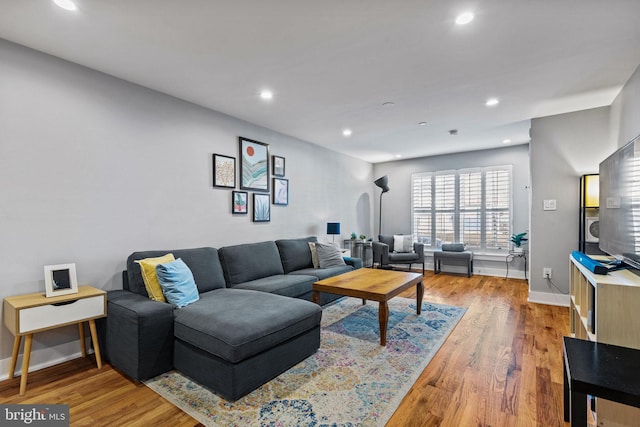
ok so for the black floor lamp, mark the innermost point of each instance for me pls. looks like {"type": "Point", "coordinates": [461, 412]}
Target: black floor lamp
{"type": "Point", "coordinates": [383, 184]}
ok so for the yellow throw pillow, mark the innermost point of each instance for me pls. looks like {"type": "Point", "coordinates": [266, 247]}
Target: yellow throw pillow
{"type": "Point", "coordinates": [148, 268]}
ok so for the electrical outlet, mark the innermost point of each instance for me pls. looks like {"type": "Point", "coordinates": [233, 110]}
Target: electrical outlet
{"type": "Point", "coordinates": [546, 273]}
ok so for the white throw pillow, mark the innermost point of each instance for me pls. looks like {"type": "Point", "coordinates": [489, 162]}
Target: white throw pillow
{"type": "Point", "coordinates": [402, 243]}
{"type": "Point", "coordinates": [314, 255]}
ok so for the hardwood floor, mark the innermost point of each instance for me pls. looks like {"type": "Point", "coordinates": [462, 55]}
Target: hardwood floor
{"type": "Point", "coordinates": [501, 366]}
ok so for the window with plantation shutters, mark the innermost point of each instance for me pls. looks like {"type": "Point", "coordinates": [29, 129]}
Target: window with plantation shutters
{"type": "Point", "coordinates": [470, 206]}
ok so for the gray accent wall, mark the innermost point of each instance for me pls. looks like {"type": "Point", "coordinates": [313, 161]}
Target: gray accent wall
{"type": "Point", "coordinates": [563, 147]}
{"type": "Point", "coordinates": [396, 204]}
{"type": "Point", "coordinates": [93, 168]}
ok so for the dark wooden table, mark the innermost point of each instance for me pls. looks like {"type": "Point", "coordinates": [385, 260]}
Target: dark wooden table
{"type": "Point", "coordinates": [602, 370]}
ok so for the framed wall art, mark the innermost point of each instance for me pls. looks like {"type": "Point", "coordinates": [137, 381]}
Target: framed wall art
{"type": "Point", "coordinates": [280, 191]}
{"type": "Point", "coordinates": [224, 171]}
{"type": "Point", "coordinates": [261, 208]}
{"type": "Point", "coordinates": [60, 280]}
{"type": "Point", "coordinates": [254, 165]}
{"type": "Point", "coordinates": [277, 166]}
{"type": "Point", "coordinates": [239, 202]}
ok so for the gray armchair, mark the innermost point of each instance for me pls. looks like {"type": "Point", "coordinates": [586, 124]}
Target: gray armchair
{"type": "Point", "coordinates": [384, 254]}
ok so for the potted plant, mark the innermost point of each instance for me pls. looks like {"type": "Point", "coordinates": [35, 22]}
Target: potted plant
{"type": "Point", "coordinates": [518, 240]}
{"type": "Point", "coordinates": [353, 236]}
{"type": "Point", "coordinates": [363, 237]}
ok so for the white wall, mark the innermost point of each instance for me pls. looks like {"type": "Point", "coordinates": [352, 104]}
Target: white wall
{"type": "Point", "coordinates": [93, 168]}
{"type": "Point", "coordinates": [625, 111]}
{"type": "Point", "coordinates": [562, 148]}
{"type": "Point", "coordinates": [396, 204]}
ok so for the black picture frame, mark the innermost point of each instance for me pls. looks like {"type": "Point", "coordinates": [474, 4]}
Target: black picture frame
{"type": "Point", "coordinates": [280, 191]}
{"type": "Point", "coordinates": [261, 207]}
{"type": "Point", "coordinates": [278, 166]}
{"type": "Point", "coordinates": [254, 165]}
{"type": "Point", "coordinates": [239, 202]}
{"type": "Point", "coordinates": [224, 171]}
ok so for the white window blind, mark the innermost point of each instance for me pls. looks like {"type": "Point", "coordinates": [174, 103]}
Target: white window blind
{"type": "Point", "coordinates": [470, 206]}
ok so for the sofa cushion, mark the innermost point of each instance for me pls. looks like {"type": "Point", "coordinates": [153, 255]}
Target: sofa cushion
{"type": "Point", "coordinates": [295, 253]}
{"type": "Point", "coordinates": [453, 247]}
{"type": "Point", "coordinates": [402, 243]}
{"type": "Point", "coordinates": [243, 263]}
{"type": "Point", "coordinates": [403, 257]}
{"type": "Point", "coordinates": [328, 255]}
{"type": "Point", "coordinates": [235, 324]}
{"type": "Point", "coordinates": [288, 285]}
{"type": "Point", "coordinates": [323, 273]}
{"type": "Point", "coordinates": [178, 285]}
{"type": "Point", "coordinates": [150, 278]}
{"type": "Point", "coordinates": [203, 263]}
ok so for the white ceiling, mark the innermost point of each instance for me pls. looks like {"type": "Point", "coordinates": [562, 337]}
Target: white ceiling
{"type": "Point", "coordinates": [332, 64]}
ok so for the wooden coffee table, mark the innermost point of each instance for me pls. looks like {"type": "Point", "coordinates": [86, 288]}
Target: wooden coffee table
{"type": "Point", "coordinates": [374, 285]}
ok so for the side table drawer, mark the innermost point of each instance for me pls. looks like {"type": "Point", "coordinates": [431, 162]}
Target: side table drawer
{"type": "Point", "coordinates": [49, 316]}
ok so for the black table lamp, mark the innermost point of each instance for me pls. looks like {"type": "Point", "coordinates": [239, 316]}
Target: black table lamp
{"type": "Point", "coordinates": [333, 228]}
{"type": "Point", "coordinates": [383, 183]}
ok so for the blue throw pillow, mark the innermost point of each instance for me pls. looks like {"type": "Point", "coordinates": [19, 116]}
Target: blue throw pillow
{"type": "Point", "coordinates": [177, 283]}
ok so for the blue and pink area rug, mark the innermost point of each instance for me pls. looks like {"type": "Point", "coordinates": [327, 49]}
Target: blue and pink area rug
{"type": "Point", "coordinates": [350, 381]}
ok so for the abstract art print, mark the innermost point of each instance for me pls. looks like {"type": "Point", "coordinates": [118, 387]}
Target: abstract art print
{"type": "Point", "coordinates": [280, 191]}
{"type": "Point", "coordinates": [239, 202]}
{"type": "Point", "coordinates": [224, 171]}
{"type": "Point", "coordinates": [277, 165]}
{"type": "Point", "coordinates": [254, 165]}
{"type": "Point", "coordinates": [261, 208]}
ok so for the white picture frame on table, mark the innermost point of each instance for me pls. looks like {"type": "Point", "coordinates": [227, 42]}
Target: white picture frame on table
{"type": "Point", "coordinates": [60, 279]}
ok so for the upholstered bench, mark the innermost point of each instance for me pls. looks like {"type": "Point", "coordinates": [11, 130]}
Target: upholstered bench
{"type": "Point", "coordinates": [235, 340]}
{"type": "Point", "coordinates": [453, 254]}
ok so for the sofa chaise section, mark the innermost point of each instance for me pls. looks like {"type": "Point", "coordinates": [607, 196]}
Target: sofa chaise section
{"type": "Point", "coordinates": [235, 340]}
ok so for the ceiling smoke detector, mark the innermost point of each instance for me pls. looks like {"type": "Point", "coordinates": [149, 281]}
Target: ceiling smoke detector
{"type": "Point", "coordinates": [453, 132]}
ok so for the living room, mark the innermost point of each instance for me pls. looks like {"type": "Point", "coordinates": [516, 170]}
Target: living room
{"type": "Point", "coordinates": [95, 167]}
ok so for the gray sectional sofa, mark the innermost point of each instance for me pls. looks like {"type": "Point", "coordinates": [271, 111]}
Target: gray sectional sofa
{"type": "Point", "coordinates": [253, 320]}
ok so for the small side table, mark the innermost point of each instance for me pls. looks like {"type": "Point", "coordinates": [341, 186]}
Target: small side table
{"type": "Point", "coordinates": [513, 255]}
{"type": "Point", "coordinates": [27, 314]}
{"type": "Point", "coordinates": [602, 370]}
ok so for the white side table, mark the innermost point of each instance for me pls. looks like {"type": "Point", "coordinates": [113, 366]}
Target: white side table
{"type": "Point", "coordinates": [31, 313]}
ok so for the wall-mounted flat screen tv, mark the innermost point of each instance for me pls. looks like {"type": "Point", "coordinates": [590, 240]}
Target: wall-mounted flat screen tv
{"type": "Point", "coordinates": [620, 204]}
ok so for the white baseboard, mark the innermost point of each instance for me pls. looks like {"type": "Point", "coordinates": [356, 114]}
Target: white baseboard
{"type": "Point", "coordinates": [43, 358]}
{"type": "Point", "coordinates": [549, 298]}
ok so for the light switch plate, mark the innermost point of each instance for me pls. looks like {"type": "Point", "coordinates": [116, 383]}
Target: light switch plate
{"type": "Point", "coordinates": [549, 205]}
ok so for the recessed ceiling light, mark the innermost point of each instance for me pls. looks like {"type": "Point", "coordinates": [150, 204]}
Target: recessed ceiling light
{"type": "Point", "coordinates": [492, 102]}
{"type": "Point", "coordinates": [346, 132]}
{"type": "Point", "coordinates": [266, 94]}
{"type": "Point", "coordinates": [66, 4]}
{"type": "Point", "coordinates": [422, 123]}
{"type": "Point", "coordinates": [398, 156]}
{"type": "Point", "coordinates": [464, 18]}
{"type": "Point", "coordinates": [506, 141]}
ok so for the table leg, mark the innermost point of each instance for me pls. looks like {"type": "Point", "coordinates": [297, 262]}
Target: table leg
{"type": "Point", "coordinates": [96, 345]}
{"type": "Point", "coordinates": [567, 395]}
{"type": "Point", "coordinates": [25, 364]}
{"type": "Point", "coordinates": [82, 343]}
{"type": "Point", "coordinates": [578, 403]}
{"type": "Point", "coordinates": [315, 297]}
{"type": "Point", "coordinates": [383, 318]}
{"type": "Point", "coordinates": [364, 301]}
{"type": "Point", "coordinates": [419, 295]}
{"type": "Point", "coordinates": [14, 355]}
